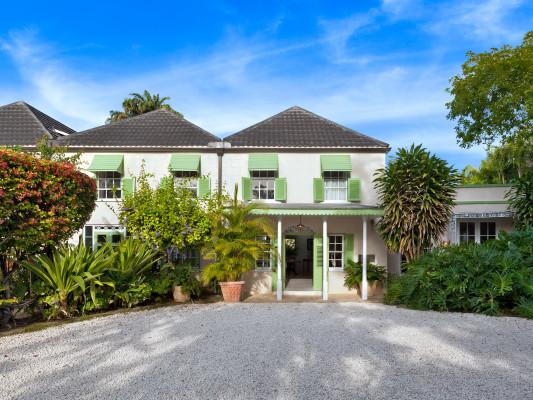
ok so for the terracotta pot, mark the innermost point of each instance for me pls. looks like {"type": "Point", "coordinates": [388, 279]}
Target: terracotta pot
{"type": "Point", "coordinates": [231, 291]}
{"type": "Point", "coordinates": [179, 296]}
{"type": "Point", "coordinates": [374, 288]}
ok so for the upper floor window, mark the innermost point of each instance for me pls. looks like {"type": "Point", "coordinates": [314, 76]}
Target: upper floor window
{"type": "Point", "coordinates": [477, 232]}
{"type": "Point", "coordinates": [109, 184]}
{"type": "Point", "coordinates": [336, 251]}
{"type": "Point", "coordinates": [263, 184]}
{"type": "Point", "coordinates": [188, 179]}
{"type": "Point", "coordinates": [336, 185]}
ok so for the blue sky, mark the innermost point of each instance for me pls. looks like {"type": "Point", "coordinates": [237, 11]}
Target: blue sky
{"type": "Point", "coordinates": [380, 67]}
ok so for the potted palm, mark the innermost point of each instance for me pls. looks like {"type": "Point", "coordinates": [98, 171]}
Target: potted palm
{"type": "Point", "coordinates": [375, 276]}
{"type": "Point", "coordinates": [234, 248]}
{"type": "Point", "coordinates": [185, 284]}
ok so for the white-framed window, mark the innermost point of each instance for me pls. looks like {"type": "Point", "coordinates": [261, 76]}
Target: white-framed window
{"type": "Point", "coordinates": [370, 259]}
{"type": "Point", "coordinates": [187, 179]}
{"type": "Point", "coordinates": [487, 231]}
{"type": "Point", "coordinates": [109, 185]}
{"type": "Point", "coordinates": [336, 251]}
{"type": "Point", "coordinates": [265, 261]}
{"type": "Point", "coordinates": [263, 184]}
{"type": "Point", "coordinates": [96, 236]}
{"type": "Point", "coordinates": [477, 231]}
{"type": "Point", "coordinates": [467, 232]}
{"type": "Point", "coordinates": [336, 185]}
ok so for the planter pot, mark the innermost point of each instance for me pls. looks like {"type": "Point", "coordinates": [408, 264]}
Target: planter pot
{"type": "Point", "coordinates": [231, 291]}
{"type": "Point", "coordinates": [179, 296]}
{"type": "Point", "coordinates": [375, 288]}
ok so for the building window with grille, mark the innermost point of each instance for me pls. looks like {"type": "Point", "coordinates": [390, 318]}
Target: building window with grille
{"type": "Point", "coordinates": [188, 180]}
{"type": "Point", "coordinates": [487, 231]}
{"type": "Point", "coordinates": [109, 185]}
{"type": "Point", "coordinates": [336, 251]}
{"type": "Point", "coordinates": [263, 184]}
{"type": "Point", "coordinates": [467, 232]}
{"type": "Point", "coordinates": [370, 259]}
{"type": "Point", "coordinates": [265, 261]}
{"type": "Point", "coordinates": [336, 185]}
{"type": "Point", "coordinates": [97, 236]}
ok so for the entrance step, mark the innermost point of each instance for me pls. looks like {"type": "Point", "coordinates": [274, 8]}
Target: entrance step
{"type": "Point", "coordinates": [302, 293]}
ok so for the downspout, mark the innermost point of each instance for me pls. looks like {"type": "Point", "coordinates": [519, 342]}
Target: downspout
{"type": "Point", "coordinates": [219, 147]}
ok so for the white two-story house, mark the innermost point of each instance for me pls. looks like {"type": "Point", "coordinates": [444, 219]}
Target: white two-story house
{"type": "Point", "coordinates": [312, 176]}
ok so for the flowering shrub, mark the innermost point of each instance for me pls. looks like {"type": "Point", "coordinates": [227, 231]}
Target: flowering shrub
{"type": "Point", "coordinates": [42, 202]}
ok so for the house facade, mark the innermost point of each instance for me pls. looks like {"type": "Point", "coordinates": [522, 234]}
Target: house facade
{"type": "Point", "coordinates": [312, 176]}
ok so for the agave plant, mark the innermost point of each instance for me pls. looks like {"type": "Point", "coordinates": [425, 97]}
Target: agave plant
{"type": "Point", "coordinates": [234, 247]}
{"type": "Point", "coordinates": [70, 272]}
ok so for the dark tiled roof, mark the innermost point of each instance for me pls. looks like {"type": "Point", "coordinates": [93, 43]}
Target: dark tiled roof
{"type": "Point", "coordinates": [296, 127]}
{"type": "Point", "coordinates": [159, 128]}
{"type": "Point", "coordinates": [22, 124]}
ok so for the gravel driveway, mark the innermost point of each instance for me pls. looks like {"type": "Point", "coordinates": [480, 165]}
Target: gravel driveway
{"type": "Point", "coordinates": [273, 351]}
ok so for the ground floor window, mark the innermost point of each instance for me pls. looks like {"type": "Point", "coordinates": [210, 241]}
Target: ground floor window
{"type": "Point", "coordinates": [477, 231]}
{"type": "Point", "coordinates": [188, 180]}
{"type": "Point", "coordinates": [96, 236]}
{"type": "Point", "coordinates": [265, 261]}
{"type": "Point", "coordinates": [189, 256]}
{"type": "Point", "coordinates": [370, 259]}
{"type": "Point", "coordinates": [336, 251]}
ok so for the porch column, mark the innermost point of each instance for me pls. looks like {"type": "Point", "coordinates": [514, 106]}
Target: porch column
{"type": "Point", "coordinates": [325, 259]}
{"type": "Point", "coordinates": [279, 287]}
{"type": "Point", "coordinates": [364, 283]}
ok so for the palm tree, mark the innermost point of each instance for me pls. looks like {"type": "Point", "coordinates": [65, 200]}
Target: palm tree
{"type": "Point", "coordinates": [139, 104]}
{"type": "Point", "coordinates": [416, 191]}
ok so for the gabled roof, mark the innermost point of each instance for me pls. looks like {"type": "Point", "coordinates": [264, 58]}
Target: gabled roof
{"type": "Point", "coordinates": [296, 127]}
{"type": "Point", "coordinates": [159, 128]}
{"type": "Point", "coordinates": [23, 125]}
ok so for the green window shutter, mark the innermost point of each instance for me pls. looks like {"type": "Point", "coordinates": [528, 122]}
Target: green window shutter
{"type": "Point", "coordinates": [246, 188]}
{"type": "Point", "coordinates": [204, 186]}
{"type": "Point", "coordinates": [318, 189]}
{"type": "Point", "coordinates": [317, 262]}
{"type": "Point", "coordinates": [336, 162]}
{"type": "Point", "coordinates": [128, 186]}
{"type": "Point", "coordinates": [280, 189]}
{"type": "Point", "coordinates": [184, 162]}
{"type": "Point", "coordinates": [348, 248]}
{"type": "Point", "coordinates": [107, 163]}
{"type": "Point", "coordinates": [354, 190]}
{"type": "Point", "coordinates": [263, 162]}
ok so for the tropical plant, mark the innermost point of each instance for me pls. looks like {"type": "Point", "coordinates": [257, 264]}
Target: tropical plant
{"type": "Point", "coordinates": [169, 216]}
{"type": "Point", "coordinates": [492, 97]}
{"type": "Point", "coordinates": [488, 278]}
{"type": "Point", "coordinates": [69, 274]}
{"type": "Point", "coordinates": [416, 191]}
{"type": "Point", "coordinates": [520, 198]}
{"type": "Point", "coordinates": [184, 276]}
{"type": "Point", "coordinates": [139, 104]}
{"type": "Point", "coordinates": [234, 247]}
{"type": "Point", "coordinates": [354, 274]}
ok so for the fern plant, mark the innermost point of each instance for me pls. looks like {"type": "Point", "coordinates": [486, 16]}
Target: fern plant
{"type": "Point", "coordinates": [354, 274]}
{"type": "Point", "coordinates": [234, 247]}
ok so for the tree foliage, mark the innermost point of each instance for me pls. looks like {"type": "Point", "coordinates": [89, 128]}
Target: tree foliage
{"type": "Point", "coordinates": [234, 247]}
{"type": "Point", "coordinates": [493, 96]}
{"type": "Point", "coordinates": [521, 201]}
{"type": "Point", "coordinates": [139, 104]}
{"type": "Point", "coordinates": [42, 202]}
{"type": "Point", "coordinates": [417, 192]}
{"type": "Point", "coordinates": [168, 216]}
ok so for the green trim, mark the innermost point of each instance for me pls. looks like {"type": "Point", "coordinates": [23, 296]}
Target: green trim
{"type": "Point", "coordinates": [354, 189]}
{"type": "Point", "coordinates": [348, 248]}
{"type": "Point", "coordinates": [280, 189]}
{"type": "Point", "coordinates": [184, 162]}
{"type": "Point", "coordinates": [482, 202]}
{"type": "Point", "coordinates": [128, 186]}
{"type": "Point", "coordinates": [107, 163]}
{"type": "Point", "coordinates": [484, 185]}
{"type": "Point", "coordinates": [336, 162]}
{"type": "Point", "coordinates": [318, 256]}
{"type": "Point", "coordinates": [246, 188]}
{"type": "Point", "coordinates": [204, 186]}
{"type": "Point", "coordinates": [263, 162]}
{"type": "Point", "coordinates": [318, 190]}
{"type": "Point", "coordinates": [376, 212]}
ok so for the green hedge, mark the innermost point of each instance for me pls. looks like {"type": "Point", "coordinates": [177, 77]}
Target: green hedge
{"type": "Point", "coordinates": [488, 278]}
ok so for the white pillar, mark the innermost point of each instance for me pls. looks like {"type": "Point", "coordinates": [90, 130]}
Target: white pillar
{"type": "Point", "coordinates": [279, 285]}
{"type": "Point", "coordinates": [364, 283]}
{"type": "Point", "coordinates": [325, 259]}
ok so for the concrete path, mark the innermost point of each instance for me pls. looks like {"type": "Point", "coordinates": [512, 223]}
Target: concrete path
{"type": "Point", "coordinates": [273, 351]}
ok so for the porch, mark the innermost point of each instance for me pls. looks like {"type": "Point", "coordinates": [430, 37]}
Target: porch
{"type": "Point", "coordinates": [312, 244]}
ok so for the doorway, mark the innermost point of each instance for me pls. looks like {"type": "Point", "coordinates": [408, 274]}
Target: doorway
{"type": "Point", "coordinates": [299, 262]}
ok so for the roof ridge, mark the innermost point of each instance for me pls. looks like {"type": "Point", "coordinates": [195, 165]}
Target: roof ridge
{"type": "Point", "coordinates": [27, 107]}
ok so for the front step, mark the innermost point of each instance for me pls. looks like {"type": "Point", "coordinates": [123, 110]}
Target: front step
{"type": "Point", "coordinates": [302, 293]}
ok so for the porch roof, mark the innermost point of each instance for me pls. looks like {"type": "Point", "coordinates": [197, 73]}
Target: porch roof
{"type": "Point", "coordinates": [318, 209]}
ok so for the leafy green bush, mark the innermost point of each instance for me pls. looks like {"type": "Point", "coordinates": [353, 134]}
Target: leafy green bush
{"type": "Point", "coordinates": [486, 278]}
{"type": "Point", "coordinates": [354, 274]}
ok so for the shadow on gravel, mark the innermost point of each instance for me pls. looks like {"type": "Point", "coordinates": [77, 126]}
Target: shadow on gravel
{"type": "Point", "coordinates": [272, 351]}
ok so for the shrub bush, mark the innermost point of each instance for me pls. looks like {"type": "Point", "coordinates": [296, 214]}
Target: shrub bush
{"type": "Point", "coordinates": [486, 278]}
